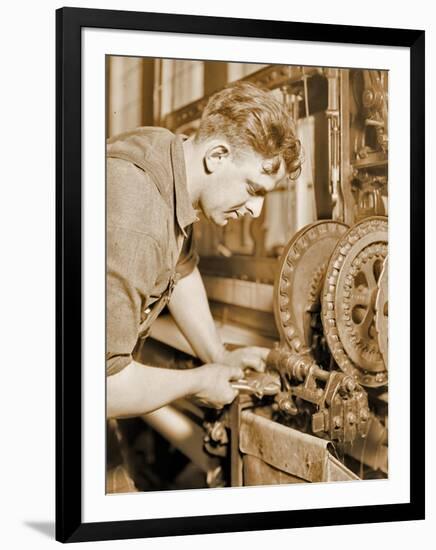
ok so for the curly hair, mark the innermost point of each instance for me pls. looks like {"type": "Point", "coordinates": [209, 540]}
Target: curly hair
{"type": "Point", "coordinates": [248, 116]}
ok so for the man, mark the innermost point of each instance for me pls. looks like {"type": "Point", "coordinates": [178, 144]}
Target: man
{"type": "Point", "coordinates": [245, 145]}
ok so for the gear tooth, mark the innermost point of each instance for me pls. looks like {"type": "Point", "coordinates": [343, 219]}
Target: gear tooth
{"type": "Point", "coordinates": [284, 287]}
{"type": "Point", "coordinates": [286, 316]}
{"type": "Point", "coordinates": [290, 332]}
{"type": "Point", "coordinates": [284, 301]}
{"type": "Point", "coordinates": [296, 344]}
{"type": "Point", "coordinates": [347, 364]}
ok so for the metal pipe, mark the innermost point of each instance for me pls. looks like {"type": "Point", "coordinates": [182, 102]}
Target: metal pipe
{"type": "Point", "coordinates": [182, 433]}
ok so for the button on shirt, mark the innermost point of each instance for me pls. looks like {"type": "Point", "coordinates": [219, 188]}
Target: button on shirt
{"type": "Point", "coordinates": [149, 234]}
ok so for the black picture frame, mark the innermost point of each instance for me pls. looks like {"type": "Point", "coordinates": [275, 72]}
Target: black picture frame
{"type": "Point", "coordinates": [69, 22]}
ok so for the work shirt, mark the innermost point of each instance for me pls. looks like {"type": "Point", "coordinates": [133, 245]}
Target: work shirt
{"type": "Point", "coordinates": [149, 234]}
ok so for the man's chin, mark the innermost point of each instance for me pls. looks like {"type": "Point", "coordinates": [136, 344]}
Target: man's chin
{"type": "Point", "coordinates": [218, 220]}
{"type": "Point", "coordinates": [216, 217]}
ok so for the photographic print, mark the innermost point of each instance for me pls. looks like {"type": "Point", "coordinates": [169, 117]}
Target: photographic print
{"type": "Point", "coordinates": [247, 274]}
{"type": "Point", "coordinates": [240, 229]}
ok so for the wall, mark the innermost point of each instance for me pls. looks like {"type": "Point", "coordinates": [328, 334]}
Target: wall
{"type": "Point", "coordinates": [27, 275]}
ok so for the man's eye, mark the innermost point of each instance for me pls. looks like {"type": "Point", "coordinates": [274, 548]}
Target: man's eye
{"type": "Point", "coordinates": [251, 189]}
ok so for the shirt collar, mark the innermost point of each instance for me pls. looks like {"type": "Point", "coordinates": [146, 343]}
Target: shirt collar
{"type": "Point", "coordinates": [185, 213]}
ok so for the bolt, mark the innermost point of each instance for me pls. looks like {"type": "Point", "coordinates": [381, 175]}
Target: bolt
{"type": "Point", "coordinates": [337, 422]}
{"type": "Point", "coordinates": [219, 432]}
{"type": "Point", "coordinates": [364, 415]}
{"type": "Point", "coordinates": [285, 406]}
{"type": "Point", "coordinates": [288, 407]}
{"type": "Point", "coordinates": [351, 418]}
{"type": "Point", "coordinates": [349, 384]}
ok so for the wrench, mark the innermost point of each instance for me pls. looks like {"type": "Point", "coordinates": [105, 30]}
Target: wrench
{"type": "Point", "coordinates": [264, 384]}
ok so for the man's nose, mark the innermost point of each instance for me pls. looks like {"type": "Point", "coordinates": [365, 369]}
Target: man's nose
{"type": "Point", "coordinates": [254, 206]}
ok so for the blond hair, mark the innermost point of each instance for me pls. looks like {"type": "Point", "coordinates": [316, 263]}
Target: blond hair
{"type": "Point", "coordinates": [248, 116]}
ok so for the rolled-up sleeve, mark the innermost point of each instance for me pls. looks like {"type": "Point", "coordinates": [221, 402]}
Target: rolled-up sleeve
{"type": "Point", "coordinates": [133, 262]}
{"type": "Point", "coordinates": [134, 258]}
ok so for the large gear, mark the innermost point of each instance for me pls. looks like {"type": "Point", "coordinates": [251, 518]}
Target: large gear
{"type": "Point", "coordinates": [381, 307]}
{"type": "Point", "coordinates": [299, 284]}
{"type": "Point", "coordinates": [348, 302]}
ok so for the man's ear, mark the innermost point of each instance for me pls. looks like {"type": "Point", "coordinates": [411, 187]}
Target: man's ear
{"type": "Point", "coordinates": [214, 156]}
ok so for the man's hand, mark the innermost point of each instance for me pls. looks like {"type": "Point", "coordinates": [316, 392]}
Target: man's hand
{"type": "Point", "coordinates": [213, 387]}
{"type": "Point", "coordinates": [253, 357]}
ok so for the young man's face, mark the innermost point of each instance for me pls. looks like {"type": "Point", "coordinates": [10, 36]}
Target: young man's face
{"type": "Point", "coordinates": [235, 187]}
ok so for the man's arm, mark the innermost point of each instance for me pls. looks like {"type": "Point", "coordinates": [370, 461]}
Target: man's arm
{"type": "Point", "coordinates": [140, 389]}
{"type": "Point", "coordinates": [190, 309]}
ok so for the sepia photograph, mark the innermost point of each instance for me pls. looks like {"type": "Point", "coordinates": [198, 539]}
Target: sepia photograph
{"type": "Point", "coordinates": [246, 274]}
{"type": "Point", "coordinates": [221, 232]}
